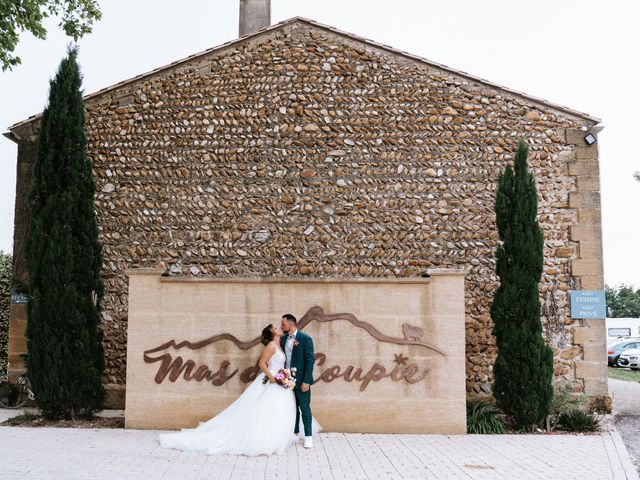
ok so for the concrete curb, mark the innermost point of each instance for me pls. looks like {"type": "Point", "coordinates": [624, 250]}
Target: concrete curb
{"type": "Point", "coordinates": [626, 464]}
{"type": "Point", "coordinates": [620, 459]}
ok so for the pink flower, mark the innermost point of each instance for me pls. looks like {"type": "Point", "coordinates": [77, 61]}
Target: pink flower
{"type": "Point", "coordinates": [285, 378]}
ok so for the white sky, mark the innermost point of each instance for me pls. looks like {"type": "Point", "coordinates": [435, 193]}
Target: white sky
{"type": "Point", "coordinates": [579, 53]}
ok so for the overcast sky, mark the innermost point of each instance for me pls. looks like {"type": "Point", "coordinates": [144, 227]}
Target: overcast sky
{"type": "Point", "coordinates": [579, 53]}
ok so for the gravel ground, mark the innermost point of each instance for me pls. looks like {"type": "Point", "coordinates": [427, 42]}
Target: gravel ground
{"type": "Point", "coordinates": [626, 408]}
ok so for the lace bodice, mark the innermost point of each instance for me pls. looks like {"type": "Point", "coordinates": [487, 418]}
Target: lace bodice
{"type": "Point", "coordinates": [276, 362]}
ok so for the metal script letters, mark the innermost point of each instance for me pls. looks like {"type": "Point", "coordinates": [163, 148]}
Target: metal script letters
{"type": "Point", "coordinates": [174, 367]}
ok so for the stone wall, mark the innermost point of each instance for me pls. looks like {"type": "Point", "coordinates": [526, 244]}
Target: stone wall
{"type": "Point", "coordinates": [17, 346]}
{"type": "Point", "coordinates": [5, 298]}
{"type": "Point", "coordinates": [303, 152]}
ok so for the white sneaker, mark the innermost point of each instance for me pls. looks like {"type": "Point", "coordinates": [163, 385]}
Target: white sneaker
{"type": "Point", "coordinates": [294, 439]}
{"type": "Point", "coordinates": [308, 442]}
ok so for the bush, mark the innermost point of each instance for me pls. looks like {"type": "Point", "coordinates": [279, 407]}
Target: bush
{"type": "Point", "coordinates": [577, 420]}
{"type": "Point", "coordinates": [484, 418]}
{"type": "Point", "coordinates": [564, 401]}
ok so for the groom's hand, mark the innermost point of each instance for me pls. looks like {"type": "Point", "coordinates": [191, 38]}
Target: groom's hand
{"type": "Point", "coordinates": [304, 387]}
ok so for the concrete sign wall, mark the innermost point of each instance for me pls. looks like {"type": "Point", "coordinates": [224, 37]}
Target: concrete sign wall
{"type": "Point", "coordinates": [389, 352]}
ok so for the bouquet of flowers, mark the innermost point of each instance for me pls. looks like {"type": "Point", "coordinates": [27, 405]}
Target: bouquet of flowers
{"type": "Point", "coordinates": [285, 377]}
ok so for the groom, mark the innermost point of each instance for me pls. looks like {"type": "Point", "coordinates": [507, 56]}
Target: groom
{"type": "Point", "coordinates": [298, 348]}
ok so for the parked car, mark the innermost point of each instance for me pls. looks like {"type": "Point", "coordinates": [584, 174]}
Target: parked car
{"type": "Point", "coordinates": [614, 351]}
{"type": "Point", "coordinates": [630, 358]}
{"type": "Point", "coordinates": [621, 339]}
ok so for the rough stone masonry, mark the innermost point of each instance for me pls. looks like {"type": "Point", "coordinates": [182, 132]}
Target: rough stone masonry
{"type": "Point", "coordinates": [301, 150]}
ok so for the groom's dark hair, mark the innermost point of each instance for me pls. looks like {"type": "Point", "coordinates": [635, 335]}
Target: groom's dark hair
{"type": "Point", "coordinates": [290, 318]}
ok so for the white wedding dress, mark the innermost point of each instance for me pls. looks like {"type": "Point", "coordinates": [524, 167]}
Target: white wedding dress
{"type": "Point", "coordinates": [258, 422]}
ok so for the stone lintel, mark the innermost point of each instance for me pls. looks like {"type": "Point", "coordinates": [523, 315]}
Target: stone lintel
{"type": "Point", "coordinates": [292, 279]}
{"type": "Point", "coordinates": [447, 271]}
{"type": "Point", "coordinates": [144, 271]}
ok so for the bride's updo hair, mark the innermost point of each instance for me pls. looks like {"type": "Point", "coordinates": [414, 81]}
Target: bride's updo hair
{"type": "Point", "coordinates": [267, 334]}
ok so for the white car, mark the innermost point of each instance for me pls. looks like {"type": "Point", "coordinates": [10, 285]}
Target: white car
{"type": "Point", "coordinates": [630, 358]}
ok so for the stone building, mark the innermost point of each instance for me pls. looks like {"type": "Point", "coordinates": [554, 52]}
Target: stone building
{"type": "Point", "coordinates": [302, 150]}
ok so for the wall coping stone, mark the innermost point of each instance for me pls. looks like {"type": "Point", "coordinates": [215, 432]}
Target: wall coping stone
{"type": "Point", "coordinates": [440, 272]}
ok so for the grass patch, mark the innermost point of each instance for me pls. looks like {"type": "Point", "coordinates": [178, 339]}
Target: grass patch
{"type": "Point", "coordinates": [21, 419]}
{"type": "Point", "coordinates": [578, 421]}
{"type": "Point", "coordinates": [484, 418]}
{"type": "Point", "coordinates": [624, 374]}
{"type": "Point", "coordinates": [32, 419]}
{"type": "Point", "coordinates": [564, 401]}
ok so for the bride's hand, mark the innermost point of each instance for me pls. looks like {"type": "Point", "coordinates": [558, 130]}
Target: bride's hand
{"type": "Point", "coordinates": [272, 379]}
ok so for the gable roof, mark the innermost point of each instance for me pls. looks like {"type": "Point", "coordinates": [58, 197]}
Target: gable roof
{"type": "Point", "coordinates": [351, 36]}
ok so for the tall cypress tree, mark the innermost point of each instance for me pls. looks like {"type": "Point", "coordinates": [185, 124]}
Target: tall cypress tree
{"type": "Point", "coordinates": [64, 258]}
{"type": "Point", "coordinates": [524, 365]}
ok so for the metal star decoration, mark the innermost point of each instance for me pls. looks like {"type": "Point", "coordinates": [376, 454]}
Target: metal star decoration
{"type": "Point", "coordinates": [400, 359]}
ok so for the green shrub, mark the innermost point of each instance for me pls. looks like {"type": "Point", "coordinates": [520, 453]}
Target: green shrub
{"type": "Point", "coordinates": [577, 420]}
{"type": "Point", "coordinates": [564, 400]}
{"type": "Point", "coordinates": [484, 418]}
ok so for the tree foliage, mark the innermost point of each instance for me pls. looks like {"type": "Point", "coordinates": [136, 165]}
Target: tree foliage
{"type": "Point", "coordinates": [64, 259]}
{"type": "Point", "coordinates": [524, 365]}
{"type": "Point", "coordinates": [16, 16]}
{"type": "Point", "coordinates": [623, 302]}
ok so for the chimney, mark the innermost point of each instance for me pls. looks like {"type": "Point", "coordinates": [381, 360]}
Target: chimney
{"type": "Point", "coordinates": [254, 15]}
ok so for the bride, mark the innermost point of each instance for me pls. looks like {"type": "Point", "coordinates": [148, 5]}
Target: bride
{"type": "Point", "coordinates": [260, 421]}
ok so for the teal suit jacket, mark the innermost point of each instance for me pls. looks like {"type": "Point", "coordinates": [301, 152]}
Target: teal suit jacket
{"type": "Point", "coordinates": [302, 357]}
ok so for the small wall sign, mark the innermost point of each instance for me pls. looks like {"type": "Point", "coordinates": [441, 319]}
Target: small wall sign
{"type": "Point", "coordinates": [19, 297]}
{"type": "Point", "coordinates": [588, 304]}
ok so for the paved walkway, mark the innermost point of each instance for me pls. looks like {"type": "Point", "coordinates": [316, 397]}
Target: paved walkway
{"type": "Point", "coordinates": [95, 454]}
